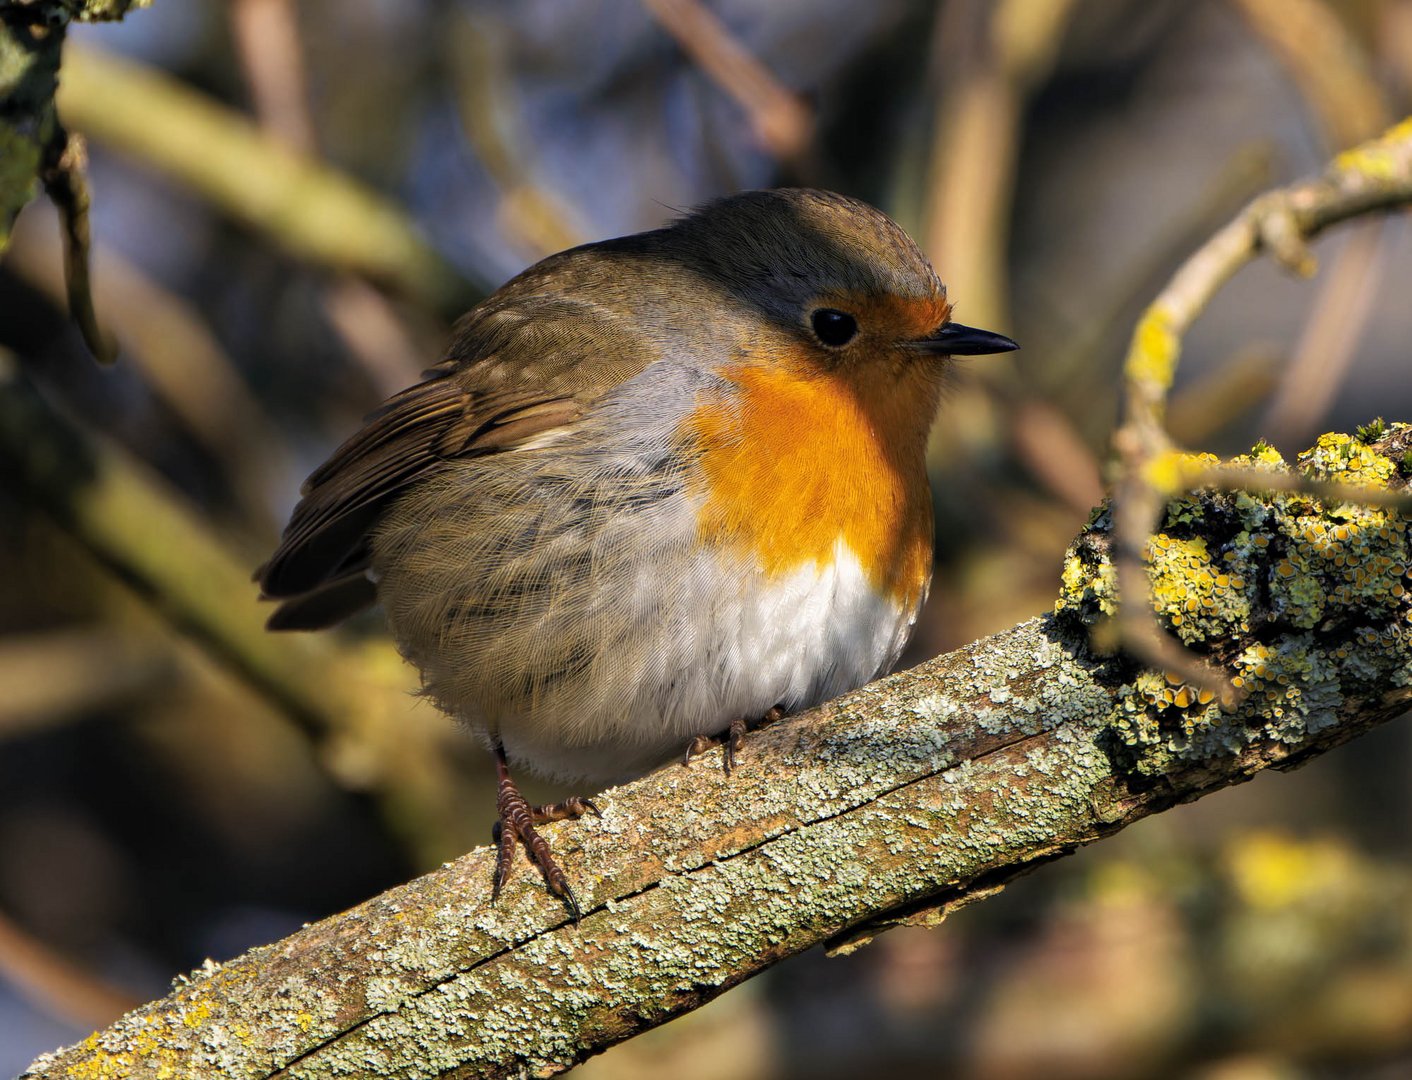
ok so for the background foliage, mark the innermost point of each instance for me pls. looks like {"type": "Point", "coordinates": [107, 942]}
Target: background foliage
{"type": "Point", "coordinates": [292, 200]}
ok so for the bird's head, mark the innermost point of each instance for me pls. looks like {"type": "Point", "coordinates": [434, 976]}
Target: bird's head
{"type": "Point", "coordinates": [834, 276]}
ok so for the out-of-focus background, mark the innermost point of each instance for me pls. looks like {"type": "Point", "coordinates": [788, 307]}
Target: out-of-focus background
{"type": "Point", "coordinates": [291, 201]}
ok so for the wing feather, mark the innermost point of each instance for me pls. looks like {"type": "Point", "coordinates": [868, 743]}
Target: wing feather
{"type": "Point", "coordinates": [514, 374]}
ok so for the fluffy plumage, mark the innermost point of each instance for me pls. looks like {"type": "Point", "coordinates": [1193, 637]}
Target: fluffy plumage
{"type": "Point", "coordinates": [542, 516]}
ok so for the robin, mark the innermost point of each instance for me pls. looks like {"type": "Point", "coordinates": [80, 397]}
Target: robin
{"type": "Point", "coordinates": [659, 487]}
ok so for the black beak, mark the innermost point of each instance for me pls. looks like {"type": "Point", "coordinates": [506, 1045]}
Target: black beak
{"type": "Point", "coordinates": [953, 339]}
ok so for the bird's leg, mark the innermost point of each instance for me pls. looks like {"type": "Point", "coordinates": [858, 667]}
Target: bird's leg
{"type": "Point", "coordinates": [517, 820]}
{"type": "Point", "coordinates": [730, 740]}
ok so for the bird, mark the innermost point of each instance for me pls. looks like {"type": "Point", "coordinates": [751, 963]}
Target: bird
{"type": "Point", "coordinates": [658, 489]}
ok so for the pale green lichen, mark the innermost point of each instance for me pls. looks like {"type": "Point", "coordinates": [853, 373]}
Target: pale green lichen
{"type": "Point", "coordinates": [1304, 603]}
{"type": "Point", "coordinates": [880, 812]}
{"type": "Point", "coordinates": [713, 924]}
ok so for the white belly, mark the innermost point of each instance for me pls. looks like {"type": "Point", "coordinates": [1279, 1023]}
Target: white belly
{"type": "Point", "coordinates": [738, 646]}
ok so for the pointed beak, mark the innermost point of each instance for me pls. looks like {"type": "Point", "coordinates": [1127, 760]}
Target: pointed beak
{"type": "Point", "coordinates": [954, 339]}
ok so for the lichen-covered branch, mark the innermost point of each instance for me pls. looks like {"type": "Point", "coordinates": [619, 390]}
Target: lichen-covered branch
{"type": "Point", "coordinates": [29, 66]}
{"type": "Point", "coordinates": [31, 39]}
{"type": "Point", "coordinates": [34, 145]}
{"type": "Point", "coordinates": [900, 802]}
{"type": "Point", "coordinates": [1376, 176]}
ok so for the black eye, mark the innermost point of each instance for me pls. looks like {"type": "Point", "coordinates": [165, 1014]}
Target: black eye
{"type": "Point", "coordinates": [833, 327]}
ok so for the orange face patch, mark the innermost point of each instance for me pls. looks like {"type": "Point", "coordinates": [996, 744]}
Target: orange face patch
{"type": "Point", "coordinates": [803, 457]}
{"type": "Point", "coordinates": [899, 318]}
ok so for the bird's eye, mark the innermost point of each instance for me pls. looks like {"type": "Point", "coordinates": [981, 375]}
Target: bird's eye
{"type": "Point", "coordinates": [833, 327]}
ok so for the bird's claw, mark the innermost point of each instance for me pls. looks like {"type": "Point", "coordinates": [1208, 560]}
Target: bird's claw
{"type": "Point", "coordinates": [516, 825]}
{"type": "Point", "coordinates": [729, 740]}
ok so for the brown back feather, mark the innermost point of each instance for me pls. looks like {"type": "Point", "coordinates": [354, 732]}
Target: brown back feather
{"type": "Point", "coordinates": [521, 366]}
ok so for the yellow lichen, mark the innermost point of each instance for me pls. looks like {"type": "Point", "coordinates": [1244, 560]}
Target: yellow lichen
{"type": "Point", "coordinates": [1327, 586]}
{"type": "Point", "coordinates": [1263, 455]}
{"type": "Point", "coordinates": [1345, 458]}
{"type": "Point", "coordinates": [1196, 594]}
{"type": "Point", "coordinates": [197, 1014]}
{"type": "Point", "coordinates": [1384, 158]}
{"type": "Point", "coordinates": [1152, 357]}
{"type": "Point", "coordinates": [1174, 472]}
{"type": "Point", "coordinates": [1342, 557]}
{"type": "Point", "coordinates": [1087, 581]}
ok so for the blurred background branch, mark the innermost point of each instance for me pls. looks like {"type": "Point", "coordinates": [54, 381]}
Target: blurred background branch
{"type": "Point", "coordinates": [1334, 74]}
{"type": "Point", "coordinates": [354, 702]}
{"type": "Point", "coordinates": [34, 147]}
{"type": "Point", "coordinates": [307, 208]}
{"type": "Point", "coordinates": [780, 120]}
{"type": "Point", "coordinates": [986, 58]}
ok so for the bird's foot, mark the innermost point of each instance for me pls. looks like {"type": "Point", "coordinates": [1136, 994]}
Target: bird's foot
{"type": "Point", "coordinates": [729, 740]}
{"type": "Point", "coordinates": [516, 825]}
{"type": "Point", "coordinates": [568, 810]}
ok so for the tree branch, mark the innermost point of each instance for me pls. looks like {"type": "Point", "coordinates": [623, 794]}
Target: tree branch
{"type": "Point", "coordinates": [1376, 176]}
{"type": "Point", "coordinates": [900, 802]}
{"type": "Point", "coordinates": [34, 145]}
{"type": "Point", "coordinates": [307, 207]}
{"type": "Point", "coordinates": [352, 701]}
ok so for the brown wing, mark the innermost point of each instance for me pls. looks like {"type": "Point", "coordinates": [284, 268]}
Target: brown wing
{"type": "Point", "coordinates": [516, 371]}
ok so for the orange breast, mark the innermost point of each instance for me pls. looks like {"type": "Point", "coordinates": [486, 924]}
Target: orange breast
{"type": "Point", "coordinates": [801, 458]}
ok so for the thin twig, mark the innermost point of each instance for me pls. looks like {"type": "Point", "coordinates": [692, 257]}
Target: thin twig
{"type": "Point", "coordinates": [1334, 75]}
{"type": "Point", "coordinates": [781, 121]}
{"type": "Point", "coordinates": [266, 34]}
{"type": "Point", "coordinates": [1213, 400]}
{"type": "Point", "coordinates": [271, 55]}
{"type": "Point", "coordinates": [65, 183]}
{"type": "Point", "coordinates": [987, 59]}
{"type": "Point", "coordinates": [1330, 67]}
{"type": "Point", "coordinates": [1104, 321]}
{"type": "Point", "coordinates": [534, 217]}
{"type": "Point", "coordinates": [1330, 338]}
{"type": "Point", "coordinates": [1046, 441]}
{"type": "Point", "coordinates": [1239, 478]}
{"type": "Point", "coordinates": [167, 342]}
